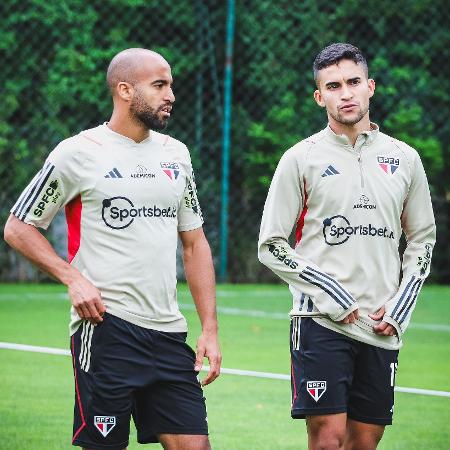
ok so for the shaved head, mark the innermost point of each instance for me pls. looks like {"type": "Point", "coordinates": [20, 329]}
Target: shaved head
{"type": "Point", "coordinates": [130, 66]}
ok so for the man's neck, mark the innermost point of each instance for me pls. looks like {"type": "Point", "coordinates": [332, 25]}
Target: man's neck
{"type": "Point", "coordinates": [351, 131]}
{"type": "Point", "coordinates": [126, 127]}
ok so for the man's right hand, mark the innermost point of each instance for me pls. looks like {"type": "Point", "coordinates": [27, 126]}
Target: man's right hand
{"type": "Point", "coordinates": [87, 300]}
{"type": "Point", "coordinates": [351, 317]}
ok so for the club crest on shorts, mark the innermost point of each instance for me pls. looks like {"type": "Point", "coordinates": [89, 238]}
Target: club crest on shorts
{"type": "Point", "coordinates": [104, 424]}
{"type": "Point", "coordinates": [316, 389]}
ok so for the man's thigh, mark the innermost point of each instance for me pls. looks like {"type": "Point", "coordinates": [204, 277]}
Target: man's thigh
{"type": "Point", "coordinates": [174, 405]}
{"type": "Point", "coordinates": [322, 369]}
{"type": "Point", "coordinates": [362, 435]}
{"type": "Point", "coordinates": [372, 394]}
{"type": "Point", "coordinates": [184, 442]}
{"type": "Point", "coordinates": [103, 397]}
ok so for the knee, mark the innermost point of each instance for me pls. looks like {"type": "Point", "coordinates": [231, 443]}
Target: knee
{"type": "Point", "coordinates": [361, 436]}
{"type": "Point", "coordinates": [365, 442]}
{"type": "Point", "coordinates": [325, 435]}
{"type": "Point", "coordinates": [328, 442]}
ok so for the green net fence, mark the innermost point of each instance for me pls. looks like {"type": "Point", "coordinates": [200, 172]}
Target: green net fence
{"type": "Point", "coordinates": [55, 53]}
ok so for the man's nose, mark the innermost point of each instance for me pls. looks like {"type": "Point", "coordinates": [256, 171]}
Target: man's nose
{"type": "Point", "coordinates": [346, 93]}
{"type": "Point", "coordinates": [170, 95]}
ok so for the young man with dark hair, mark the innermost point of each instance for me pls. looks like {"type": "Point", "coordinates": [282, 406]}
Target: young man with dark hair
{"type": "Point", "coordinates": [350, 191]}
{"type": "Point", "coordinates": [128, 193]}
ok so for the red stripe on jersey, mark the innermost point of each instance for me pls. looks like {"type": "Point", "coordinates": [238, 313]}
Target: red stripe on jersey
{"type": "Point", "coordinates": [301, 220]}
{"type": "Point", "coordinates": [73, 218]}
{"type": "Point", "coordinates": [80, 406]}
{"type": "Point", "coordinates": [90, 139]}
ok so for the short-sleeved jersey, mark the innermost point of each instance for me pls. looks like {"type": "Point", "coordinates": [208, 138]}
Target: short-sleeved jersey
{"type": "Point", "coordinates": [349, 206]}
{"type": "Point", "coordinates": [125, 203]}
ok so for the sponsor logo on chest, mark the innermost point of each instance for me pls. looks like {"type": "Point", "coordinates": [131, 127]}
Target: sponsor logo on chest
{"type": "Point", "coordinates": [364, 203]}
{"type": "Point", "coordinates": [120, 212]}
{"type": "Point", "coordinates": [142, 172]}
{"type": "Point", "coordinates": [338, 230]}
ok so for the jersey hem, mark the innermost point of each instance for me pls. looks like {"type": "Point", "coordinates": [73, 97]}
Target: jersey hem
{"type": "Point", "coordinates": [190, 227]}
{"type": "Point", "coordinates": [361, 335]}
{"type": "Point", "coordinates": [178, 325]}
{"type": "Point", "coordinates": [34, 223]}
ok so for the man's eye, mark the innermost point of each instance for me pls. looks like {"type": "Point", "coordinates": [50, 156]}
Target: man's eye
{"type": "Point", "coordinates": [354, 82]}
{"type": "Point", "coordinates": [333, 86]}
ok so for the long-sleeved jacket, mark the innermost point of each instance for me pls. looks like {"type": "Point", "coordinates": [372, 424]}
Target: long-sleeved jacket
{"type": "Point", "coordinates": [349, 205]}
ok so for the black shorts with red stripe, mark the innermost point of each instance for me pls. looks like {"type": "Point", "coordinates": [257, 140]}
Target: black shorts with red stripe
{"type": "Point", "coordinates": [123, 370]}
{"type": "Point", "coordinates": [332, 373]}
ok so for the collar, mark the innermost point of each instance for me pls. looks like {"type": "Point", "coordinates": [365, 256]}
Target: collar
{"type": "Point", "coordinates": [341, 139]}
{"type": "Point", "coordinates": [120, 138]}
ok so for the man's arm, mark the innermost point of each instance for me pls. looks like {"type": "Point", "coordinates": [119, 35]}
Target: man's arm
{"type": "Point", "coordinates": [199, 272]}
{"type": "Point", "coordinates": [420, 231]}
{"type": "Point", "coordinates": [285, 203]}
{"type": "Point", "coordinates": [28, 241]}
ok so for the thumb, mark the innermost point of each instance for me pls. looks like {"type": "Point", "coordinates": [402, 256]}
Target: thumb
{"type": "Point", "coordinates": [199, 359]}
{"type": "Point", "coordinates": [378, 315]}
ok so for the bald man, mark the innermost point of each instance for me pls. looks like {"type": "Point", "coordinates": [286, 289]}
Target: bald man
{"type": "Point", "coordinates": [129, 193]}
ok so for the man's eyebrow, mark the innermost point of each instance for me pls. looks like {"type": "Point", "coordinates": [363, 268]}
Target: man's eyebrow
{"type": "Point", "coordinates": [329, 83]}
{"type": "Point", "coordinates": [353, 79]}
{"type": "Point", "coordinates": [162, 82]}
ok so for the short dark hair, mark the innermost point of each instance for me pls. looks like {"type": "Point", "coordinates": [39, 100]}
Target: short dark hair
{"type": "Point", "coordinates": [337, 52]}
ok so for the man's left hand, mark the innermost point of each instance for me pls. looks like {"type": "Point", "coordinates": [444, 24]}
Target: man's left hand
{"type": "Point", "coordinates": [208, 347]}
{"type": "Point", "coordinates": [383, 328]}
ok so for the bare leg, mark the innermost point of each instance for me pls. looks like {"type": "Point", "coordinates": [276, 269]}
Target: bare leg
{"type": "Point", "coordinates": [362, 436]}
{"type": "Point", "coordinates": [326, 432]}
{"type": "Point", "coordinates": [184, 442]}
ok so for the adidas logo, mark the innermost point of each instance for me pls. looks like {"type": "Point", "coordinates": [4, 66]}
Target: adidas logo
{"type": "Point", "coordinates": [114, 174]}
{"type": "Point", "coordinates": [330, 171]}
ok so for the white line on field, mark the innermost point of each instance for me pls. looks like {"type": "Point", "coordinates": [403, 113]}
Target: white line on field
{"type": "Point", "coordinates": [245, 373]}
{"type": "Point", "coordinates": [225, 310]}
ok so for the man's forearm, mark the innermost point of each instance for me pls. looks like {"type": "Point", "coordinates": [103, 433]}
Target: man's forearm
{"type": "Point", "coordinates": [199, 271]}
{"type": "Point", "coordinates": [28, 241]}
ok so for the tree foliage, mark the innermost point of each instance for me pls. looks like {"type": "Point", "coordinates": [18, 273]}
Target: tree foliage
{"type": "Point", "coordinates": [55, 53]}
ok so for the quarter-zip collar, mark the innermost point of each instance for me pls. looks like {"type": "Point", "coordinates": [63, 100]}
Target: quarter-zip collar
{"type": "Point", "coordinates": [366, 137]}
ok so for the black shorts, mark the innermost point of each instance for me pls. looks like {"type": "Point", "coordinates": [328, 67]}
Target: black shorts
{"type": "Point", "coordinates": [332, 373]}
{"type": "Point", "coordinates": [121, 370]}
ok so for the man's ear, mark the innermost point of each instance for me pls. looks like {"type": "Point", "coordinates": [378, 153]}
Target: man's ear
{"type": "Point", "coordinates": [371, 83]}
{"type": "Point", "coordinates": [125, 91]}
{"type": "Point", "coordinates": [318, 98]}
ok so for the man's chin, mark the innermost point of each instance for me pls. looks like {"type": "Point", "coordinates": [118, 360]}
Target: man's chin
{"type": "Point", "coordinates": [350, 121]}
{"type": "Point", "coordinates": [156, 125]}
{"type": "Point", "coordinates": [159, 126]}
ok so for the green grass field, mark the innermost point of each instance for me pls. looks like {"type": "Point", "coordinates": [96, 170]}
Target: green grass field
{"type": "Point", "coordinates": [245, 413]}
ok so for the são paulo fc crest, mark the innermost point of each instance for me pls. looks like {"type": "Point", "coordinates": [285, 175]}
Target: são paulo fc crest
{"type": "Point", "coordinates": [171, 169]}
{"type": "Point", "coordinates": [316, 389]}
{"type": "Point", "coordinates": [104, 424]}
{"type": "Point", "coordinates": [389, 165]}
